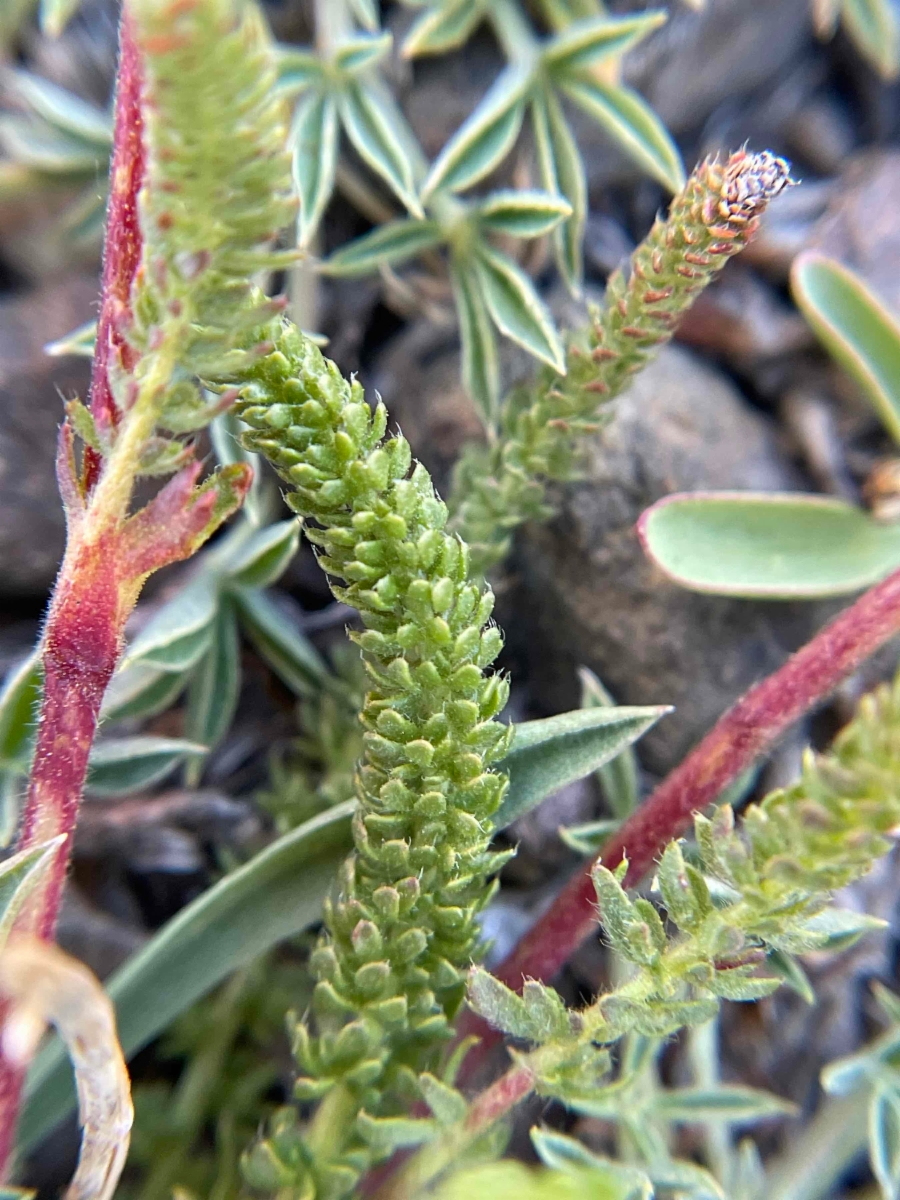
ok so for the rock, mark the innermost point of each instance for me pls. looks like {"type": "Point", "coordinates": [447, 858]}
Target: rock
{"type": "Point", "coordinates": [32, 530]}
{"type": "Point", "coordinates": [861, 225]}
{"type": "Point", "coordinates": [730, 48]}
{"type": "Point", "coordinates": [588, 594]}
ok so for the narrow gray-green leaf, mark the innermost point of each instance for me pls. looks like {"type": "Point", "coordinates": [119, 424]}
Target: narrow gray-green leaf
{"type": "Point", "coordinates": [875, 28]}
{"type": "Point", "coordinates": [215, 685]}
{"type": "Point", "coordinates": [80, 342]}
{"type": "Point", "coordinates": [884, 1140]}
{"type": "Point", "coordinates": [18, 704]}
{"type": "Point", "coordinates": [619, 777]}
{"type": "Point", "coordinates": [263, 559]}
{"type": "Point", "coordinates": [516, 309]}
{"type": "Point", "coordinates": [590, 837]}
{"type": "Point", "coordinates": [297, 69]}
{"type": "Point", "coordinates": [443, 28]}
{"type": "Point", "coordinates": [119, 766]}
{"type": "Point", "coordinates": [480, 356]}
{"type": "Point", "coordinates": [366, 12]}
{"type": "Point", "coordinates": [486, 137]}
{"type": "Point", "coordinates": [789, 969]}
{"type": "Point", "coordinates": [179, 632]}
{"type": "Point", "coordinates": [18, 875]}
{"type": "Point", "coordinates": [371, 130]}
{"type": "Point", "coordinates": [61, 109]}
{"type": "Point", "coordinates": [142, 691]}
{"type": "Point", "coordinates": [628, 119]}
{"type": "Point", "coordinates": [841, 928]}
{"type": "Point", "coordinates": [522, 214]}
{"type": "Point", "coordinates": [274, 896]}
{"type": "Point", "coordinates": [33, 143]}
{"type": "Point", "coordinates": [359, 53]}
{"type": "Point", "coordinates": [888, 1001]}
{"type": "Point", "coordinates": [856, 329]}
{"type": "Point", "coordinates": [770, 545]}
{"type": "Point", "coordinates": [585, 43]}
{"type": "Point", "coordinates": [279, 642]}
{"type": "Point", "coordinates": [315, 137]}
{"type": "Point", "coordinates": [546, 755]}
{"type": "Point", "coordinates": [562, 171]}
{"type": "Point", "coordinates": [722, 1103]}
{"type": "Point", "coordinates": [392, 243]}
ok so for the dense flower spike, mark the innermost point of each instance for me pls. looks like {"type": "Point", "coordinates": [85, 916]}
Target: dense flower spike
{"type": "Point", "coordinates": [498, 488]}
{"type": "Point", "coordinates": [391, 971]}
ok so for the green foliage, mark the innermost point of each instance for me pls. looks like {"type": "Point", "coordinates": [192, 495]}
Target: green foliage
{"type": "Point", "coordinates": [872, 25]}
{"type": "Point", "coordinates": [499, 487]}
{"type": "Point", "coordinates": [773, 881]}
{"type": "Point", "coordinates": [795, 546]}
{"type": "Point", "coordinates": [274, 896]}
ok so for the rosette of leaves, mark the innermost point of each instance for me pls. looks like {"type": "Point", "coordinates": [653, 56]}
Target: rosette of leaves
{"type": "Point", "coordinates": [795, 546]}
{"type": "Point", "coordinates": [491, 291]}
{"type": "Point", "coordinates": [578, 64]}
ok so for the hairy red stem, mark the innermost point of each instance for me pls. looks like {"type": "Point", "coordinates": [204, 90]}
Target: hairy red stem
{"type": "Point", "coordinates": [82, 636]}
{"type": "Point", "coordinates": [746, 731]}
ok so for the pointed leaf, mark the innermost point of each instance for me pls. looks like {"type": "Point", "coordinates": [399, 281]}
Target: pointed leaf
{"type": "Point", "coordinates": [498, 1004]}
{"type": "Point", "coordinates": [279, 643]}
{"type": "Point", "coordinates": [723, 1103]}
{"type": "Point", "coordinates": [771, 545]}
{"type": "Point", "coordinates": [264, 558]}
{"type": "Point", "coordinates": [274, 896]}
{"type": "Point", "coordinates": [628, 119]}
{"type": "Point", "coordinates": [18, 704]}
{"type": "Point", "coordinates": [119, 766]}
{"type": "Point", "coordinates": [585, 43]}
{"type": "Point", "coordinates": [480, 356]}
{"type": "Point", "coordinates": [387, 1134]}
{"type": "Point", "coordinates": [443, 28]}
{"type": "Point", "coordinates": [359, 53]}
{"type": "Point", "coordinates": [394, 242]}
{"type": "Point", "coordinates": [61, 109]}
{"type": "Point", "coordinates": [888, 1001]}
{"type": "Point", "coordinates": [546, 755]}
{"type": "Point", "coordinates": [837, 929]}
{"type": "Point", "coordinates": [298, 69]}
{"type": "Point", "coordinates": [80, 342]}
{"type": "Point", "coordinates": [562, 171]}
{"type": "Point", "coordinates": [215, 685]}
{"type": "Point", "coordinates": [792, 974]}
{"type": "Point", "coordinates": [687, 1179]}
{"type": "Point", "coordinates": [314, 134]}
{"type": "Point", "coordinates": [562, 1153]}
{"type": "Point", "coordinates": [875, 28]}
{"type": "Point", "coordinates": [884, 1140]}
{"type": "Point", "coordinates": [485, 138]}
{"type": "Point", "coordinates": [589, 837]}
{"type": "Point", "coordinates": [619, 777]}
{"type": "Point", "coordinates": [446, 1103]}
{"type": "Point", "coordinates": [856, 329]}
{"type": "Point", "coordinates": [516, 309]}
{"type": "Point", "coordinates": [142, 691]}
{"type": "Point", "coordinates": [372, 131]}
{"type": "Point", "coordinates": [522, 214]}
{"type": "Point", "coordinates": [366, 12]}
{"type": "Point", "coordinates": [18, 875]}
{"type": "Point", "coordinates": [178, 633]}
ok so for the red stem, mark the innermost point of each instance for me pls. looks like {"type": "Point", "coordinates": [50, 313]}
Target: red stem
{"type": "Point", "coordinates": [738, 739]}
{"type": "Point", "coordinates": [82, 637]}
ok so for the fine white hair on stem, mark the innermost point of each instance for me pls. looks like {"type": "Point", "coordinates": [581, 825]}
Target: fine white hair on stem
{"type": "Point", "coordinates": [46, 987]}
